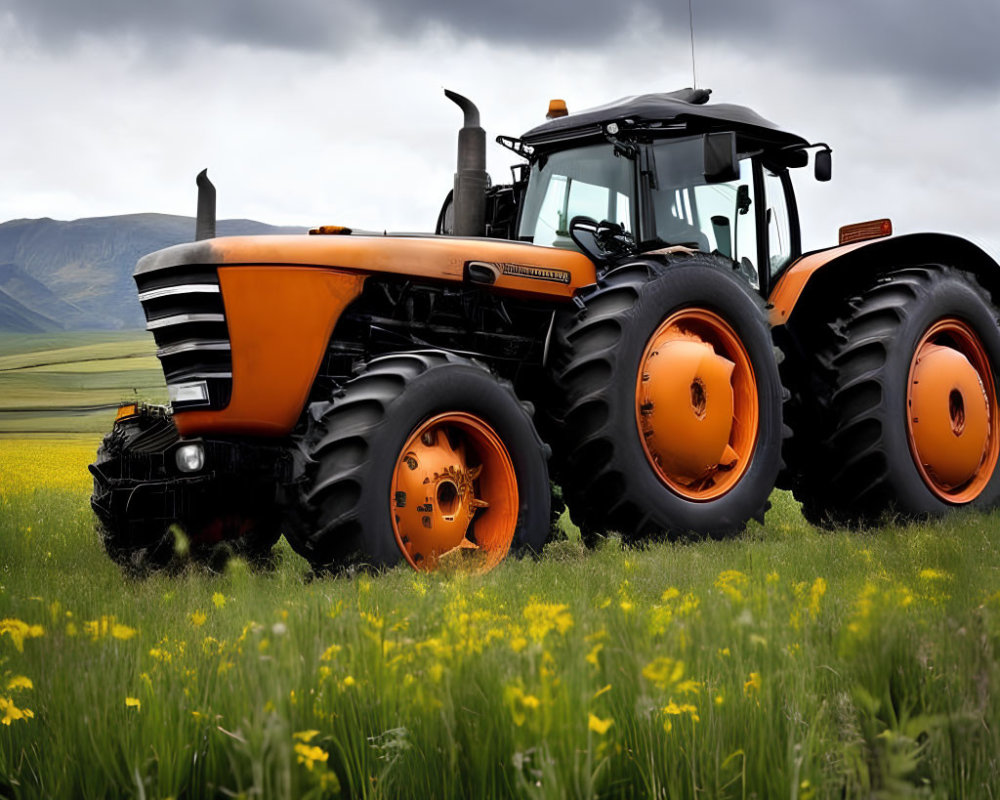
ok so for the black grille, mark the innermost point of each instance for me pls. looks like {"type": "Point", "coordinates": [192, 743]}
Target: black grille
{"type": "Point", "coordinates": [185, 313]}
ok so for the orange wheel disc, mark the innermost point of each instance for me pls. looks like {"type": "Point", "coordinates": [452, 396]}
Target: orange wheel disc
{"type": "Point", "coordinates": [697, 404]}
{"type": "Point", "coordinates": [951, 406]}
{"type": "Point", "coordinates": [454, 491]}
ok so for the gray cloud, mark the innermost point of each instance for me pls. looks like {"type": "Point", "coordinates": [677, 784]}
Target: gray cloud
{"type": "Point", "coordinates": [945, 47]}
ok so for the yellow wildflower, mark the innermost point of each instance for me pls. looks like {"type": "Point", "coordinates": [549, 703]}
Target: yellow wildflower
{"type": "Point", "coordinates": [20, 682]}
{"type": "Point", "coordinates": [670, 594]}
{"type": "Point", "coordinates": [310, 755]}
{"type": "Point", "coordinates": [663, 671]}
{"type": "Point", "coordinates": [12, 713]}
{"type": "Point", "coordinates": [305, 736]}
{"type": "Point", "coordinates": [331, 652]}
{"type": "Point", "coordinates": [198, 618]}
{"type": "Point", "coordinates": [689, 687]}
{"type": "Point", "coordinates": [598, 725]}
{"type": "Point", "coordinates": [676, 709]}
{"type": "Point", "coordinates": [519, 703]}
{"type": "Point", "coordinates": [772, 577]}
{"type": "Point", "coordinates": [931, 574]}
{"type": "Point", "coordinates": [591, 657]}
{"type": "Point", "coordinates": [719, 699]}
{"type": "Point", "coordinates": [348, 682]}
{"type": "Point", "coordinates": [672, 709]}
{"type": "Point", "coordinates": [730, 582]}
{"type": "Point", "coordinates": [107, 625]}
{"type": "Point", "coordinates": [545, 617]}
{"type": "Point", "coordinates": [688, 605]}
{"type": "Point", "coordinates": [752, 685]}
{"type": "Point", "coordinates": [133, 702]}
{"type": "Point", "coordinates": [18, 631]}
{"type": "Point", "coordinates": [518, 643]}
{"type": "Point", "coordinates": [599, 692]}
{"type": "Point", "coordinates": [218, 599]}
{"type": "Point", "coordinates": [123, 632]}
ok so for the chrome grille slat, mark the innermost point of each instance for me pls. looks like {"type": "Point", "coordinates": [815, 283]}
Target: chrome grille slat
{"type": "Point", "coordinates": [194, 346]}
{"type": "Point", "coordinates": [182, 319]}
{"type": "Point", "coordinates": [186, 315]}
{"type": "Point", "coordinates": [187, 288]}
{"type": "Point", "coordinates": [193, 376]}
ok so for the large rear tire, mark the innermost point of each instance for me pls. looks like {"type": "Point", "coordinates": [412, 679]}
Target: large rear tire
{"type": "Point", "coordinates": [421, 456]}
{"type": "Point", "coordinates": [906, 421]}
{"type": "Point", "coordinates": [667, 402]}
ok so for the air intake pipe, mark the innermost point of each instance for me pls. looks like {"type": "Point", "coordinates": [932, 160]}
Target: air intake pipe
{"type": "Point", "coordinates": [204, 226]}
{"type": "Point", "coordinates": [471, 179]}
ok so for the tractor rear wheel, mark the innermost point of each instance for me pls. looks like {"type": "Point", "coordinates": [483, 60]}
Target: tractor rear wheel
{"type": "Point", "coordinates": [667, 402]}
{"type": "Point", "coordinates": [423, 456]}
{"type": "Point", "coordinates": [909, 422]}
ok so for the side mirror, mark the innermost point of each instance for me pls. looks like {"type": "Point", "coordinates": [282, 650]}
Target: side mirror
{"type": "Point", "coordinates": [721, 164]}
{"type": "Point", "coordinates": [723, 235]}
{"type": "Point", "coordinates": [823, 164]}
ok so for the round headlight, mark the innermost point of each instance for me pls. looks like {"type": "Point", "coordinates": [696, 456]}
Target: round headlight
{"type": "Point", "coordinates": [190, 457]}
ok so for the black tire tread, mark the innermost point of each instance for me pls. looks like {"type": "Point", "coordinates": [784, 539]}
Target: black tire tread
{"type": "Point", "coordinates": [597, 489]}
{"type": "Point", "coordinates": [840, 429]}
{"type": "Point", "coordinates": [327, 525]}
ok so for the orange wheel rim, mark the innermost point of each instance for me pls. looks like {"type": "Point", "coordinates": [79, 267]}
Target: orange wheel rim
{"type": "Point", "coordinates": [454, 495]}
{"type": "Point", "coordinates": [697, 405]}
{"type": "Point", "coordinates": [951, 415]}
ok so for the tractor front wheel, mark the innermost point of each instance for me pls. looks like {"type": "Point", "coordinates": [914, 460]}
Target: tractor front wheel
{"type": "Point", "coordinates": [422, 457]}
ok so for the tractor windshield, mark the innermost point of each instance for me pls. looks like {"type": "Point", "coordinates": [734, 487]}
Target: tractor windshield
{"type": "Point", "coordinates": [704, 216]}
{"type": "Point", "coordinates": [587, 181]}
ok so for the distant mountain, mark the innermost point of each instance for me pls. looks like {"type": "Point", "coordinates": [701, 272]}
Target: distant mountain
{"type": "Point", "coordinates": [78, 275]}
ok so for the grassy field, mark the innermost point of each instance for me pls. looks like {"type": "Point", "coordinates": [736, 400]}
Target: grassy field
{"type": "Point", "coordinates": [73, 382]}
{"type": "Point", "coordinates": [786, 663]}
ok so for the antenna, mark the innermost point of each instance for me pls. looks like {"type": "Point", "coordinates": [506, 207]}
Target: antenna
{"type": "Point", "coordinates": [694, 74]}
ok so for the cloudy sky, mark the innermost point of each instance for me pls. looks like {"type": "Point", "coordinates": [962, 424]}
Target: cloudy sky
{"type": "Point", "coordinates": [331, 111]}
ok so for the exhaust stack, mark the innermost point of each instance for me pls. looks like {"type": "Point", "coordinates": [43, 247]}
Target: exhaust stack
{"type": "Point", "coordinates": [471, 179]}
{"type": "Point", "coordinates": [204, 227]}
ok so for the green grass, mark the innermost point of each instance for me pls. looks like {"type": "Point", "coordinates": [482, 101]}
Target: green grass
{"type": "Point", "coordinates": [817, 665]}
{"type": "Point", "coordinates": [785, 663]}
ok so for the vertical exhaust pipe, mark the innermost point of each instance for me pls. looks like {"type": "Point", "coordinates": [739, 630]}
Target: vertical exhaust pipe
{"type": "Point", "coordinates": [204, 227]}
{"type": "Point", "coordinates": [470, 179]}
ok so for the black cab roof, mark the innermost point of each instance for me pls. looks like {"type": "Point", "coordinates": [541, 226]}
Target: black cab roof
{"type": "Point", "coordinates": [669, 113]}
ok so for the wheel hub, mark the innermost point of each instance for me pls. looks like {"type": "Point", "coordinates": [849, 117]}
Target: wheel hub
{"type": "Point", "coordinates": [454, 489]}
{"type": "Point", "coordinates": [687, 418]}
{"type": "Point", "coordinates": [696, 404]}
{"type": "Point", "coordinates": [952, 412]}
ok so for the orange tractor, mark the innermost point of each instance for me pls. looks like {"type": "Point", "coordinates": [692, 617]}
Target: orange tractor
{"type": "Point", "coordinates": [633, 313]}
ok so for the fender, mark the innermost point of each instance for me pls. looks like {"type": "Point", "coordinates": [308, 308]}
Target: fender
{"type": "Point", "coordinates": [825, 273]}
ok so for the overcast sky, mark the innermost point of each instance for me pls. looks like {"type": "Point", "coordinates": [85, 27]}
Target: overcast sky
{"type": "Point", "coordinates": [331, 112]}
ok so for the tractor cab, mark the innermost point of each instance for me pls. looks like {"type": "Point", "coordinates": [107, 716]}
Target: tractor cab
{"type": "Point", "coordinates": [662, 171]}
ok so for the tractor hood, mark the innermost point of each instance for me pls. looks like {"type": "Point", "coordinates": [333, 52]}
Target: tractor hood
{"type": "Point", "coordinates": [505, 266]}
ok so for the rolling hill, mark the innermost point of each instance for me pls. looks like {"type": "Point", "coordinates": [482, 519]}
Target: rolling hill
{"type": "Point", "coordinates": [77, 275]}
